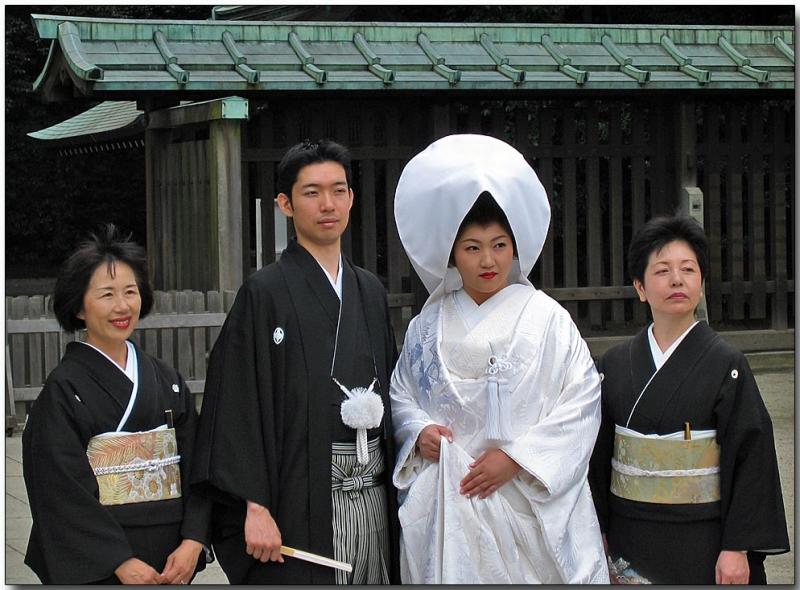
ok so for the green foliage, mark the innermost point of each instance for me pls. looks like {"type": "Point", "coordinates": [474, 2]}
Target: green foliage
{"type": "Point", "coordinates": [52, 200]}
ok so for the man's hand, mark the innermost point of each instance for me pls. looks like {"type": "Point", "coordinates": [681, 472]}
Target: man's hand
{"type": "Point", "coordinates": [182, 562]}
{"type": "Point", "coordinates": [489, 471]}
{"type": "Point", "coordinates": [732, 568]}
{"type": "Point", "coordinates": [135, 571]}
{"type": "Point", "coordinates": [261, 534]}
{"type": "Point", "coordinates": [429, 441]}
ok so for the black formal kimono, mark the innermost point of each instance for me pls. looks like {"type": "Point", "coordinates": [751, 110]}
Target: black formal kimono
{"type": "Point", "coordinates": [709, 384]}
{"type": "Point", "coordinates": [74, 538]}
{"type": "Point", "coordinates": [271, 409]}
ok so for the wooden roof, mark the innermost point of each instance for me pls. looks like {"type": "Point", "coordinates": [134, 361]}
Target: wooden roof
{"type": "Point", "coordinates": [122, 59]}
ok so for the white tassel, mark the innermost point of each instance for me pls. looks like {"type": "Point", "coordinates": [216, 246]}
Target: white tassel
{"type": "Point", "coordinates": [498, 412]}
{"type": "Point", "coordinates": [362, 453]}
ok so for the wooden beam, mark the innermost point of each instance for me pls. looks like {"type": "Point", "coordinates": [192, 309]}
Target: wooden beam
{"type": "Point", "coordinates": [230, 107]}
{"type": "Point", "coordinates": [71, 46]}
{"type": "Point", "coordinates": [685, 62]}
{"type": "Point", "coordinates": [439, 62]}
{"type": "Point", "coordinates": [170, 59]}
{"type": "Point", "coordinates": [624, 61]}
{"type": "Point", "coordinates": [501, 61]}
{"type": "Point", "coordinates": [373, 60]}
{"type": "Point", "coordinates": [320, 76]}
{"type": "Point", "coordinates": [239, 59]}
{"type": "Point", "coordinates": [564, 61]}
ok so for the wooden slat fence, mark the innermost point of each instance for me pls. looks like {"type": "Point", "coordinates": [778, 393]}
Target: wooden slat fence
{"type": "Point", "coordinates": [608, 164]}
{"type": "Point", "coordinates": [181, 330]}
{"type": "Point", "coordinates": [180, 186]}
{"type": "Point", "coordinates": [745, 160]}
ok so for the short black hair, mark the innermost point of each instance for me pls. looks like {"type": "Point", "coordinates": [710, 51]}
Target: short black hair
{"type": "Point", "coordinates": [660, 231]}
{"type": "Point", "coordinates": [107, 246]}
{"type": "Point", "coordinates": [310, 152]}
{"type": "Point", "coordinates": [484, 211]}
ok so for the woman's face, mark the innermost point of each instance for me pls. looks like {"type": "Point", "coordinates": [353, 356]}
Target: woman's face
{"type": "Point", "coordinates": [111, 306]}
{"type": "Point", "coordinates": [672, 282]}
{"type": "Point", "coordinates": [483, 257]}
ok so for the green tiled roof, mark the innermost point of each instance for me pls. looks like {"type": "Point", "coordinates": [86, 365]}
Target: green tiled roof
{"type": "Point", "coordinates": [126, 58]}
{"type": "Point", "coordinates": [108, 120]}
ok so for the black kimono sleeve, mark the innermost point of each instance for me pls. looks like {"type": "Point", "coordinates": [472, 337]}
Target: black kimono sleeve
{"type": "Point", "coordinates": [74, 539]}
{"type": "Point", "coordinates": [235, 452]}
{"type": "Point", "coordinates": [197, 508]}
{"type": "Point", "coordinates": [752, 502]}
{"type": "Point", "coordinates": [600, 463]}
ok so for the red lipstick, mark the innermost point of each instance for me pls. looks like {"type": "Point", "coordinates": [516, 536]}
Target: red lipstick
{"type": "Point", "coordinates": [121, 323]}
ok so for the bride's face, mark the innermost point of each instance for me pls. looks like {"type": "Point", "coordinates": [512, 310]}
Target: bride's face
{"type": "Point", "coordinates": [483, 257]}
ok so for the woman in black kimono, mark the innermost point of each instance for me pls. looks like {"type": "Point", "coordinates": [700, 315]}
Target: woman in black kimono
{"type": "Point", "coordinates": [684, 472]}
{"type": "Point", "coordinates": [108, 385]}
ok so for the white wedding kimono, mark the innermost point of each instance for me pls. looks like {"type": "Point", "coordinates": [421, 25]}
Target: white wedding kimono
{"type": "Point", "coordinates": [512, 373]}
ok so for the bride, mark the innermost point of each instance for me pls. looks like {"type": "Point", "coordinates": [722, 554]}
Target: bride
{"type": "Point", "coordinates": [495, 399]}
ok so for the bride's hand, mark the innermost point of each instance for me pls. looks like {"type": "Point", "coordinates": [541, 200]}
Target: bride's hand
{"type": "Point", "coordinates": [429, 441]}
{"type": "Point", "coordinates": [487, 473]}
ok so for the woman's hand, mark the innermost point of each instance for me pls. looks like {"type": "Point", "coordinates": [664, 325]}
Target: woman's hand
{"type": "Point", "coordinates": [732, 568]}
{"type": "Point", "coordinates": [182, 562]}
{"type": "Point", "coordinates": [135, 571]}
{"type": "Point", "coordinates": [430, 439]}
{"type": "Point", "coordinates": [489, 471]}
{"type": "Point", "coordinates": [261, 534]}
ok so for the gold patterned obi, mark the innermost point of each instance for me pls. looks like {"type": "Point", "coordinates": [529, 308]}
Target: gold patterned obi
{"type": "Point", "coordinates": [665, 470]}
{"type": "Point", "coordinates": [136, 467]}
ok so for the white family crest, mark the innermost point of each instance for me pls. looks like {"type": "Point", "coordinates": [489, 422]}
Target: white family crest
{"type": "Point", "coordinates": [277, 335]}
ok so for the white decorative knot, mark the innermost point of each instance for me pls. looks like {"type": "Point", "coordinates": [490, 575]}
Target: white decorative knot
{"type": "Point", "coordinates": [362, 409]}
{"type": "Point", "coordinates": [497, 364]}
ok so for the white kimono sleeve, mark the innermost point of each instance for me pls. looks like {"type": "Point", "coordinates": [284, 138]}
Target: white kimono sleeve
{"type": "Point", "coordinates": [408, 416]}
{"type": "Point", "coordinates": [556, 449]}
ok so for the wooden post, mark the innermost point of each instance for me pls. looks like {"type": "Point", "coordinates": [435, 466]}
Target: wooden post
{"type": "Point", "coordinates": [691, 197]}
{"type": "Point", "coordinates": [227, 238]}
{"type": "Point", "coordinates": [153, 145]}
{"type": "Point", "coordinates": [180, 230]}
{"type": "Point", "coordinates": [11, 410]}
{"type": "Point", "coordinates": [780, 303]}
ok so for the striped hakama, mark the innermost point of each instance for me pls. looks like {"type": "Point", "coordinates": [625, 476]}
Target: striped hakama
{"type": "Point", "coordinates": [360, 527]}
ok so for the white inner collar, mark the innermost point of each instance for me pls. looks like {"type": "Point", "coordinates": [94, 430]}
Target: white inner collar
{"type": "Point", "coordinates": [659, 358]}
{"type": "Point", "coordinates": [130, 362]}
{"type": "Point", "coordinates": [337, 282]}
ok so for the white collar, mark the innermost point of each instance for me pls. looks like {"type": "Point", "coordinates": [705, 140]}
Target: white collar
{"type": "Point", "coordinates": [337, 282]}
{"type": "Point", "coordinates": [659, 358]}
{"type": "Point", "coordinates": [130, 362]}
{"type": "Point", "coordinates": [472, 314]}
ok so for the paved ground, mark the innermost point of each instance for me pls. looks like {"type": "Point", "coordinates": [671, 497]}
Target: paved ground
{"type": "Point", "coordinates": [777, 387]}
